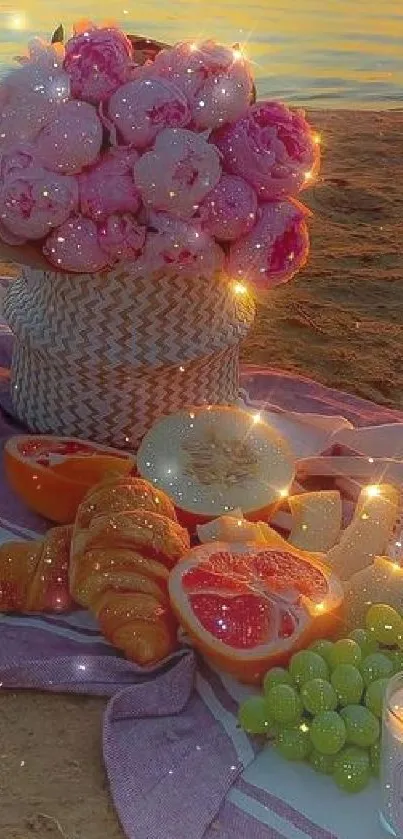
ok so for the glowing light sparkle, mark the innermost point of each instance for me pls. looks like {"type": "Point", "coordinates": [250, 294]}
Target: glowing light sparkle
{"type": "Point", "coordinates": [239, 288]}
{"type": "Point", "coordinates": [16, 21]}
{"type": "Point", "coordinates": [373, 491]}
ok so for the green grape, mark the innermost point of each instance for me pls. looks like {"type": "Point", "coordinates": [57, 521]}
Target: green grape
{"type": "Point", "coordinates": [322, 763]}
{"type": "Point", "coordinates": [396, 657]}
{"type": "Point", "coordinates": [284, 705]}
{"type": "Point", "coordinates": [322, 648]}
{"type": "Point", "coordinates": [376, 666]}
{"type": "Point", "coordinates": [307, 665]}
{"type": "Point", "coordinates": [364, 640]}
{"type": "Point", "coordinates": [362, 726]}
{"type": "Point", "coordinates": [345, 651]}
{"type": "Point", "coordinates": [318, 695]}
{"type": "Point", "coordinates": [374, 696]}
{"type": "Point", "coordinates": [277, 676]}
{"type": "Point", "coordinates": [352, 769]}
{"type": "Point", "coordinates": [294, 743]}
{"type": "Point", "coordinates": [328, 733]}
{"type": "Point", "coordinates": [385, 624]}
{"type": "Point", "coordinates": [375, 758]}
{"type": "Point", "coordinates": [348, 684]}
{"type": "Point", "coordinates": [253, 716]}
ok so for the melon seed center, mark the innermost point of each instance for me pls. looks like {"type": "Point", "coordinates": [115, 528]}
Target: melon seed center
{"type": "Point", "coordinates": [217, 461]}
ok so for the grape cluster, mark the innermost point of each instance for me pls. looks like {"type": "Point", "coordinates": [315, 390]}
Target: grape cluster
{"type": "Point", "coordinates": [326, 707]}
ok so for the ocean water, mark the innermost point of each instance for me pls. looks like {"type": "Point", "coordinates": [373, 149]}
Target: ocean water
{"type": "Point", "coordinates": [321, 53]}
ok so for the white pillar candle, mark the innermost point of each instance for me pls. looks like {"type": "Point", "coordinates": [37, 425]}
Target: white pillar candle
{"type": "Point", "coordinates": [392, 759]}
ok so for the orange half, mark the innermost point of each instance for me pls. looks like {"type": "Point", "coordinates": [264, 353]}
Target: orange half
{"type": "Point", "coordinates": [52, 475]}
{"type": "Point", "coordinates": [249, 607]}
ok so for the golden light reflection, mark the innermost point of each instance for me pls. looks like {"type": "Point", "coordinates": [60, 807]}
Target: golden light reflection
{"type": "Point", "coordinates": [16, 21]}
{"type": "Point", "coordinates": [373, 490]}
{"type": "Point", "coordinates": [239, 288]}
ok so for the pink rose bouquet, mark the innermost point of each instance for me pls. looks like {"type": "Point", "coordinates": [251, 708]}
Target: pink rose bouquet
{"type": "Point", "coordinates": [111, 152]}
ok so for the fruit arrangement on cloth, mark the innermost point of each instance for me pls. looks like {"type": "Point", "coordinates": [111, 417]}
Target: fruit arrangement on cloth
{"type": "Point", "coordinates": [163, 160]}
{"type": "Point", "coordinates": [218, 459]}
{"type": "Point", "coordinates": [326, 707]}
{"type": "Point", "coordinates": [52, 475]}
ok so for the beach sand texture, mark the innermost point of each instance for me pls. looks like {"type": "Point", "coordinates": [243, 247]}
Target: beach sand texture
{"type": "Point", "coordinates": [341, 322]}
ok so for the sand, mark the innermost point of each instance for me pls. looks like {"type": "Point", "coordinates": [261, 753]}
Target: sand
{"type": "Point", "coordinates": [341, 322]}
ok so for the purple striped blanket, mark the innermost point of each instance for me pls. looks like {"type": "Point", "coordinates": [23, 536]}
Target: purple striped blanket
{"type": "Point", "coordinates": [178, 765]}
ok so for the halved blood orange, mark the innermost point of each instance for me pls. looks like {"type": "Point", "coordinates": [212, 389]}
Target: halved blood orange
{"type": "Point", "coordinates": [249, 607]}
{"type": "Point", "coordinates": [214, 459]}
{"type": "Point", "coordinates": [53, 474]}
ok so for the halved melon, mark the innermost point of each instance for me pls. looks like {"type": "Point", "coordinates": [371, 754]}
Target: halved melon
{"type": "Point", "coordinates": [52, 475]}
{"type": "Point", "coordinates": [212, 460]}
{"type": "Point", "coordinates": [249, 607]}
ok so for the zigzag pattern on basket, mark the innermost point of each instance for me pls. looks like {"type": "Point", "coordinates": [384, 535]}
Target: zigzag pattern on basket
{"type": "Point", "coordinates": [112, 407]}
{"type": "Point", "coordinates": [103, 356]}
{"type": "Point", "coordinates": [114, 320]}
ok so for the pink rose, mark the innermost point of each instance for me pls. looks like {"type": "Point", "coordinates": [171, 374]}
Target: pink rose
{"type": "Point", "coordinates": [72, 140]}
{"type": "Point", "coordinates": [30, 97]}
{"type": "Point", "coordinates": [178, 173]}
{"type": "Point", "coordinates": [16, 161]}
{"type": "Point", "coordinates": [35, 201]}
{"type": "Point", "coordinates": [272, 147]}
{"type": "Point", "coordinates": [122, 238]}
{"type": "Point", "coordinates": [141, 109]}
{"type": "Point", "coordinates": [275, 249]}
{"type": "Point", "coordinates": [108, 187]}
{"type": "Point", "coordinates": [178, 246]}
{"type": "Point", "coordinates": [9, 238]}
{"type": "Point", "coordinates": [216, 80]}
{"type": "Point", "coordinates": [75, 247]}
{"type": "Point", "coordinates": [98, 62]}
{"type": "Point", "coordinates": [229, 210]}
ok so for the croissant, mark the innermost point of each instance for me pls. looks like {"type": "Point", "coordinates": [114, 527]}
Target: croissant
{"type": "Point", "coordinates": [126, 539]}
{"type": "Point", "coordinates": [34, 575]}
{"type": "Point", "coordinates": [115, 561]}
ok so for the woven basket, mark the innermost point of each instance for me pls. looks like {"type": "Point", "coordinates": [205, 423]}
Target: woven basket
{"type": "Point", "coordinates": [102, 356]}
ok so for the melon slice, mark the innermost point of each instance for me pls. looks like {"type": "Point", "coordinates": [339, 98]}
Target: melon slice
{"type": "Point", "coordinates": [249, 607]}
{"type": "Point", "coordinates": [214, 460]}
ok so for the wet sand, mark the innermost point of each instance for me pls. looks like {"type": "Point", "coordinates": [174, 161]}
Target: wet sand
{"type": "Point", "coordinates": [341, 322]}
